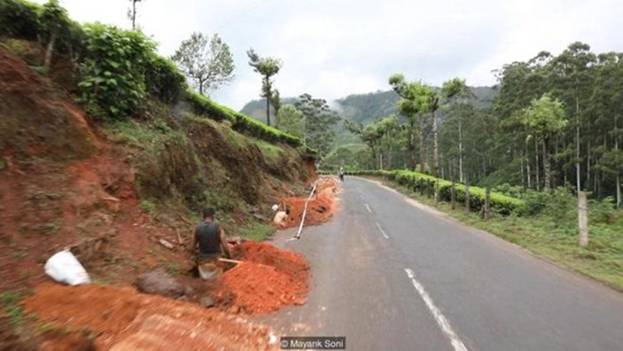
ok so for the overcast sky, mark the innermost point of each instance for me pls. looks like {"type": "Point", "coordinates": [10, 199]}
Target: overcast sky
{"type": "Point", "coordinates": [333, 48]}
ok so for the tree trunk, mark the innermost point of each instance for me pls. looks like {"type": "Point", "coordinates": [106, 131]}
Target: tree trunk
{"type": "Point", "coordinates": [461, 151]}
{"type": "Point", "coordinates": [522, 170]}
{"type": "Point", "coordinates": [616, 148]}
{"type": "Point", "coordinates": [453, 194]}
{"type": "Point", "coordinates": [484, 214]}
{"type": "Point", "coordinates": [582, 218]}
{"type": "Point", "coordinates": [546, 166]}
{"type": "Point", "coordinates": [412, 146]}
{"type": "Point", "coordinates": [529, 179]}
{"type": "Point", "coordinates": [588, 166]}
{"type": "Point", "coordinates": [381, 160]}
{"type": "Point", "coordinates": [618, 186]}
{"type": "Point", "coordinates": [268, 110]}
{"type": "Point", "coordinates": [577, 142]}
{"type": "Point", "coordinates": [133, 14]}
{"type": "Point", "coordinates": [536, 169]}
{"type": "Point", "coordinates": [467, 209]}
{"type": "Point", "coordinates": [373, 156]}
{"type": "Point", "coordinates": [556, 167]}
{"type": "Point", "coordinates": [49, 51]}
{"type": "Point", "coordinates": [422, 149]}
{"type": "Point", "coordinates": [435, 146]}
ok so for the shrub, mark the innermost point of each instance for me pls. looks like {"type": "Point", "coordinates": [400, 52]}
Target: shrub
{"type": "Point", "coordinates": [19, 19]}
{"type": "Point", "coordinates": [424, 183]}
{"type": "Point", "coordinates": [113, 72]}
{"type": "Point", "coordinates": [164, 80]}
{"type": "Point", "coordinates": [240, 122]}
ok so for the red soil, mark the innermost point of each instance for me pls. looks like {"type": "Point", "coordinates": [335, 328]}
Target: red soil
{"type": "Point", "coordinates": [63, 184]}
{"type": "Point", "coordinates": [320, 208]}
{"type": "Point", "coordinates": [267, 279]}
{"type": "Point", "coordinates": [123, 319]}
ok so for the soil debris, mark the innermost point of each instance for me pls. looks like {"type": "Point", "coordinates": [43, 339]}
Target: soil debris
{"type": "Point", "coordinates": [320, 208]}
{"type": "Point", "coordinates": [123, 319]}
{"type": "Point", "coordinates": [267, 279]}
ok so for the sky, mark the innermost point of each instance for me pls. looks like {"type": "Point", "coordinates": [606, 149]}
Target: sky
{"type": "Point", "coordinates": [334, 48]}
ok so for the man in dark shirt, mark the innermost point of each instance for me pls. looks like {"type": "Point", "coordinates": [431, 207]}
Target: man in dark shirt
{"type": "Point", "coordinates": [209, 239]}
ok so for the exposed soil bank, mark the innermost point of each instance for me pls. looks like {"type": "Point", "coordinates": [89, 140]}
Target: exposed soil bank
{"type": "Point", "coordinates": [123, 319]}
{"type": "Point", "coordinates": [320, 208]}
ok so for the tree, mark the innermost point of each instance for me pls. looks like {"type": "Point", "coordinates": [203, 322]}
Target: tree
{"type": "Point", "coordinates": [387, 127]}
{"type": "Point", "coordinates": [457, 90]}
{"type": "Point", "coordinates": [55, 22]}
{"type": "Point", "coordinates": [209, 63]}
{"type": "Point", "coordinates": [291, 120]}
{"type": "Point", "coordinates": [408, 106]}
{"type": "Point", "coordinates": [545, 117]}
{"type": "Point", "coordinates": [320, 121]}
{"type": "Point", "coordinates": [267, 67]}
{"type": "Point", "coordinates": [607, 98]}
{"type": "Point", "coordinates": [572, 71]}
{"type": "Point", "coordinates": [132, 13]}
{"type": "Point", "coordinates": [275, 100]}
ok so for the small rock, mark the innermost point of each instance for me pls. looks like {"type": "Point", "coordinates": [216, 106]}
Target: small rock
{"type": "Point", "coordinates": [166, 244]}
{"type": "Point", "coordinates": [206, 302]}
{"type": "Point", "coordinates": [259, 217]}
{"type": "Point", "coordinates": [159, 282]}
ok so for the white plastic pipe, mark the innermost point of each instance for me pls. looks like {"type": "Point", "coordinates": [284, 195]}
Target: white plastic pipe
{"type": "Point", "coordinates": [298, 233]}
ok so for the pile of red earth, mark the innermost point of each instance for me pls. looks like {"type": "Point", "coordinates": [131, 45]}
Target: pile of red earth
{"type": "Point", "coordinates": [267, 279]}
{"type": "Point", "coordinates": [320, 207]}
{"type": "Point", "coordinates": [122, 319]}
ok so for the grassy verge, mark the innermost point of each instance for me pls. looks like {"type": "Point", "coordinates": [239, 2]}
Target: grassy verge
{"type": "Point", "coordinates": [257, 231]}
{"type": "Point", "coordinates": [549, 237]}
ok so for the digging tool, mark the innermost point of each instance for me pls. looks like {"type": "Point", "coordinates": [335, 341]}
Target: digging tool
{"type": "Point", "coordinates": [229, 260]}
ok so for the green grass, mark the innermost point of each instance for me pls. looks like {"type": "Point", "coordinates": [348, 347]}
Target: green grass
{"type": "Point", "coordinates": [148, 206]}
{"type": "Point", "coordinates": [10, 303]}
{"type": "Point", "coordinates": [140, 135]}
{"type": "Point", "coordinates": [271, 153]}
{"type": "Point", "coordinates": [256, 231]}
{"type": "Point", "coordinates": [553, 238]}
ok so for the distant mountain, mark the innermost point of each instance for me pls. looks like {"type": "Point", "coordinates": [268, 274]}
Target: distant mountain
{"type": "Point", "coordinates": [365, 108]}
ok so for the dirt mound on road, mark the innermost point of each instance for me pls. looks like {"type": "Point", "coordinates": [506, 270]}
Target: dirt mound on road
{"type": "Point", "coordinates": [123, 319]}
{"type": "Point", "coordinates": [320, 208]}
{"type": "Point", "coordinates": [267, 279]}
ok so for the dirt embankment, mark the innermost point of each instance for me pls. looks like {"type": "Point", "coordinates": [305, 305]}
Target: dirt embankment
{"type": "Point", "coordinates": [122, 319]}
{"type": "Point", "coordinates": [63, 183]}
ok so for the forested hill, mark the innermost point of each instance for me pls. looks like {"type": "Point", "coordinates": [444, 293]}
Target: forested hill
{"type": "Point", "coordinates": [365, 108]}
{"type": "Point", "coordinates": [257, 108]}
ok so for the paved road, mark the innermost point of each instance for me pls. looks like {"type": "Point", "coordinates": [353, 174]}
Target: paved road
{"type": "Point", "coordinates": [391, 275]}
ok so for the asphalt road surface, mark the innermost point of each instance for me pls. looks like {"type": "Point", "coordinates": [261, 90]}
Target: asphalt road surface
{"type": "Point", "coordinates": [390, 274]}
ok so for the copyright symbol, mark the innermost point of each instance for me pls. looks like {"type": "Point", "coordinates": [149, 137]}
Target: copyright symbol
{"type": "Point", "coordinates": [284, 344]}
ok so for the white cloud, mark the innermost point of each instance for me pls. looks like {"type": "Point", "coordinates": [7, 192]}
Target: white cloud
{"type": "Point", "coordinates": [334, 48]}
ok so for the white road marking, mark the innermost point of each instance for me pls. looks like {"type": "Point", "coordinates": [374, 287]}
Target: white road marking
{"type": "Point", "coordinates": [368, 208]}
{"type": "Point", "coordinates": [382, 231]}
{"type": "Point", "coordinates": [441, 320]}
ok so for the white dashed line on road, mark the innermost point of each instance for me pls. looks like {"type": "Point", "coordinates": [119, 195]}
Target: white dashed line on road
{"type": "Point", "coordinates": [382, 231]}
{"type": "Point", "coordinates": [441, 320]}
{"type": "Point", "coordinates": [368, 208]}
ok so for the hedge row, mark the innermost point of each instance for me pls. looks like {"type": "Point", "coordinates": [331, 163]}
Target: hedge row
{"type": "Point", "coordinates": [240, 122]}
{"type": "Point", "coordinates": [425, 184]}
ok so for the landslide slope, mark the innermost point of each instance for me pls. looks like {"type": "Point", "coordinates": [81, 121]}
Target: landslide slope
{"type": "Point", "coordinates": [111, 191]}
